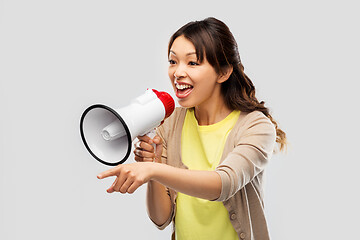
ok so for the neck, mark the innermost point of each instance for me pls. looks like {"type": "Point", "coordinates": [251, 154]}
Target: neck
{"type": "Point", "coordinates": [211, 113]}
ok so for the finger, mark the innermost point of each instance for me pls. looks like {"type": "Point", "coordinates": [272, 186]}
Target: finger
{"type": "Point", "coordinates": [145, 138]}
{"type": "Point", "coordinates": [141, 159]}
{"type": "Point", "coordinates": [138, 159]}
{"type": "Point", "coordinates": [158, 153]}
{"type": "Point", "coordinates": [144, 145]}
{"type": "Point", "coordinates": [135, 185]}
{"type": "Point", "coordinates": [111, 188]}
{"type": "Point", "coordinates": [108, 173]}
{"type": "Point", "coordinates": [144, 154]}
{"type": "Point", "coordinates": [157, 140]}
{"type": "Point", "coordinates": [126, 185]}
{"type": "Point", "coordinates": [121, 179]}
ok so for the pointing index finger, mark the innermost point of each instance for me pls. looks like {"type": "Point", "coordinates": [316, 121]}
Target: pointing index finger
{"type": "Point", "coordinates": [108, 173]}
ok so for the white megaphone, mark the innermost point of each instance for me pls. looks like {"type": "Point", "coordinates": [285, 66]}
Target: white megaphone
{"type": "Point", "coordinates": [108, 133]}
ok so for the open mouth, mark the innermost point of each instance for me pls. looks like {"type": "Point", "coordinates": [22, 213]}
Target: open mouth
{"type": "Point", "coordinates": [183, 89]}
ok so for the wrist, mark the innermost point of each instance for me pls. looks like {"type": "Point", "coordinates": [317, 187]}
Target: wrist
{"type": "Point", "coordinates": [154, 170]}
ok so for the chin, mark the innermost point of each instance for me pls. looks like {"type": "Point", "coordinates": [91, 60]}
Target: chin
{"type": "Point", "coordinates": [185, 104]}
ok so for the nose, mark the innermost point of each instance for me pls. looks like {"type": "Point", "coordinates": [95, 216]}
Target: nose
{"type": "Point", "coordinates": [180, 72]}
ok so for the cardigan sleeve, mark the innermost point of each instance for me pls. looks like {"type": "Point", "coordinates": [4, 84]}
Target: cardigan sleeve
{"type": "Point", "coordinates": [253, 148]}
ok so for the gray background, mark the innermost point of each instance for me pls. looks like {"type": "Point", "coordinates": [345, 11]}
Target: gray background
{"type": "Point", "coordinates": [59, 57]}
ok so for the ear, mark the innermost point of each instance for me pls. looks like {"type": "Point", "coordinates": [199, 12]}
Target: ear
{"type": "Point", "coordinates": [225, 75]}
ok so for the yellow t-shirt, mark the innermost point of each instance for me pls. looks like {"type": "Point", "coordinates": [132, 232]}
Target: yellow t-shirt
{"type": "Point", "coordinates": [201, 149]}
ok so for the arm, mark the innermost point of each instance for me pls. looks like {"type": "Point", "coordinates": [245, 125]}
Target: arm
{"type": "Point", "coordinates": [159, 204]}
{"type": "Point", "coordinates": [158, 201]}
{"type": "Point", "coordinates": [202, 184]}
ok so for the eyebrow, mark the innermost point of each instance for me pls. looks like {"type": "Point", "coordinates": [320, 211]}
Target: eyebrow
{"type": "Point", "coordinates": [190, 53]}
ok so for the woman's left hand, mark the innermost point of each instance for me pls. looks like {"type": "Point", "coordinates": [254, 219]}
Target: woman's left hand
{"type": "Point", "coordinates": [129, 177]}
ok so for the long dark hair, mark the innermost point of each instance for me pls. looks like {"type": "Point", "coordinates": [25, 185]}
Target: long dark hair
{"type": "Point", "coordinates": [214, 41]}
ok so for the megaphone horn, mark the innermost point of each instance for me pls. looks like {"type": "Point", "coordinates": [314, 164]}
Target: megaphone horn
{"type": "Point", "coordinates": [107, 133]}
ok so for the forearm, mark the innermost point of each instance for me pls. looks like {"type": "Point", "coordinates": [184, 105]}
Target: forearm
{"type": "Point", "coordinates": [201, 184]}
{"type": "Point", "coordinates": [158, 202]}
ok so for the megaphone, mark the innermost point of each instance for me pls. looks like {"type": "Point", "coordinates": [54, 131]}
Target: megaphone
{"type": "Point", "coordinates": [108, 133]}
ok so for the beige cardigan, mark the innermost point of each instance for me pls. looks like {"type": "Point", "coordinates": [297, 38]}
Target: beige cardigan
{"type": "Point", "coordinates": [248, 148]}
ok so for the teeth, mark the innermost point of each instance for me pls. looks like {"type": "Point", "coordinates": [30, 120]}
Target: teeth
{"type": "Point", "coordinates": [182, 86]}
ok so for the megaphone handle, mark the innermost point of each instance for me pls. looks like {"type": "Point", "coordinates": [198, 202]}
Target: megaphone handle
{"type": "Point", "coordinates": [151, 135]}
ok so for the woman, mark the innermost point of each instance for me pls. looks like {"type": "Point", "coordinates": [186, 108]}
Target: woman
{"type": "Point", "coordinates": [207, 171]}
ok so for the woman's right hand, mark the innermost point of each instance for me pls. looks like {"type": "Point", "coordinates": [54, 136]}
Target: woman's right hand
{"type": "Point", "coordinates": [144, 149]}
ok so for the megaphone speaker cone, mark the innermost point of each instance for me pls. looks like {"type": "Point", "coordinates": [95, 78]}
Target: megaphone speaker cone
{"type": "Point", "coordinates": [107, 151]}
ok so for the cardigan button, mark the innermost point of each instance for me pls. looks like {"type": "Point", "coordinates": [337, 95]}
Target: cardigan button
{"type": "Point", "coordinates": [242, 235]}
{"type": "Point", "coordinates": [233, 216]}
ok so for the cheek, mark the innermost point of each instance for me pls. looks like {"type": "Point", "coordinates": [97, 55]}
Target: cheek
{"type": "Point", "coordinates": [203, 72]}
{"type": "Point", "coordinates": [205, 80]}
{"type": "Point", "coordinates": [169, 71]}
{"type": "Point", "coordinates": [171, 74]}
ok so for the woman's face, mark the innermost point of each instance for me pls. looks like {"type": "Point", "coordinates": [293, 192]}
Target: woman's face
{"type": "Point", "coordinates": [194, 83]}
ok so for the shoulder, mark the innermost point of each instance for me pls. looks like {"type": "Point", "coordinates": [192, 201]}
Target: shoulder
{"type": "Point", "coordinates": [255, 123]}
{"type": "Point", "coordinates": [249, 119]}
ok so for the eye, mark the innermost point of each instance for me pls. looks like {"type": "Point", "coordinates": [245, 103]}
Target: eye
{"type": "Point", "coordinates": [193, 63]}
{"type": "Point", "coordinates": [172, 62]}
